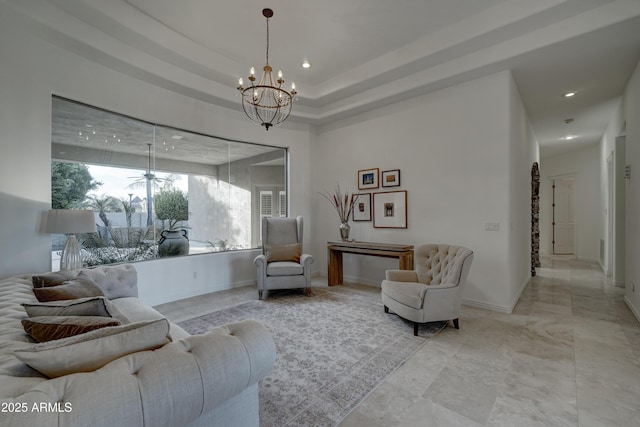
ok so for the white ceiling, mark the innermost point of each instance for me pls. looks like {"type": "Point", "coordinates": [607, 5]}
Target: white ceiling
{"type": "Point", "coordinates": [367, 53]}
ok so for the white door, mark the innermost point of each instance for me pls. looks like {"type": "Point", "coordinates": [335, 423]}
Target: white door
{"type": "Point", "coordinates": [563, 223]}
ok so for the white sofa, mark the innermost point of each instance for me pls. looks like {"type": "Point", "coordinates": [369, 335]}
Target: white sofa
{"type": "Point", "coordinates": [201, 380]}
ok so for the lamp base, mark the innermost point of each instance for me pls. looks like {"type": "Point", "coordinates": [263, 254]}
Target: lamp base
{"type": "Point", "coordinates": [71, 259]}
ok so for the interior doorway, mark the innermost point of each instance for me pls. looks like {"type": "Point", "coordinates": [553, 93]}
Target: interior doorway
{"type": "Point", "coordinates": [563, 216]}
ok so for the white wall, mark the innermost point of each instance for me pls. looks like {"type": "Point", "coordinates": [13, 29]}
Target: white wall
{"type": "Point", "coordinates": [524, 151]}
{"type": "Point", "coordinates": [453, 148]}
{"type": "Point", "coordinates": [584, 166]}
{"type": "Point", "coordinates": [169, 279]}
{"type": "Point", "coordinates": [631, 106]}
{"type": "Point", "coordinates": [32, 70]}
{"type": "Point", "coordinates": [607, 148]}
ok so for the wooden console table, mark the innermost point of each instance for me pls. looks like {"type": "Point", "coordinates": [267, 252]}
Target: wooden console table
{"type": "Point", "coordinates": [404, 253]}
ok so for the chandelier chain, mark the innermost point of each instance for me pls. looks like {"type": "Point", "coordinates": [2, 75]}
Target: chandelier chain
{"type": "Point", "coordinates": [267, 41]}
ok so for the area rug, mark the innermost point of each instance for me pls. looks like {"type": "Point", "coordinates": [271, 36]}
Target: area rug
{"type": "Point", "coordinates": [333, 348]}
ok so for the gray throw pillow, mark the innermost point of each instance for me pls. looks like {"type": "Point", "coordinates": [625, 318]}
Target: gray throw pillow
{"type": "Point", "coordinates": [53, 279]}
{"type": "Point", "coordinates": [71, 289]}
{"type": "Point", "coordinates": [91, 306]}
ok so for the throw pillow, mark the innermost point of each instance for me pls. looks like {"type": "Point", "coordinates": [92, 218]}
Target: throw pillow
{"type": "Point", "coordinates": [53, 279]}
{"type": "Point", "coordinates": [290, 252]}
{"type": "Point", "coordinates": [92, 350]}
{"type": "Point", "coordinates": [71, 289]}
{"type": "Point", "coordinates": [48, 328]}
{"type": "Point", "coordinates": [92, 306]}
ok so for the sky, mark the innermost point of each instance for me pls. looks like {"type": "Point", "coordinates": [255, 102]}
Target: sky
{"type": "Point", "coordinates": [116, 181]}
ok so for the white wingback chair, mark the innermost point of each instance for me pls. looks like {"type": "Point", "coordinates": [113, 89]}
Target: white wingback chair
{"type": "Point", "coordinates": [432, 291]}
{"type": "Point", "coordinates": [282, 265]}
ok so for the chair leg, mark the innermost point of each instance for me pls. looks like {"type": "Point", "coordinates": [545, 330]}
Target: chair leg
{"type": "Point", "coordinates": [456, 324]}
{"type": "Point", "coordinates": [259, 294]}
{"type": "Point", "coordinates": [386, 309]}
{"type": "Point", "coordinates": [415, 329]}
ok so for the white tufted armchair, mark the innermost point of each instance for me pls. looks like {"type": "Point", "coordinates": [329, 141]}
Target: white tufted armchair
{"type": "Point", "coordinates": [432, 291]}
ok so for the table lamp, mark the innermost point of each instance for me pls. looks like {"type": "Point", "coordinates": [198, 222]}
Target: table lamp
{"type": "Point", "coordinates": [70, 222]}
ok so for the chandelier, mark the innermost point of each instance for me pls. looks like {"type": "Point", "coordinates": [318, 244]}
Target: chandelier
{"type": "Point", "coordinates": [266, 103]}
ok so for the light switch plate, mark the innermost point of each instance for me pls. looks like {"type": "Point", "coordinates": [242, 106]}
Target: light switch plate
{"type": "Point", "coordinates": [492, 226]}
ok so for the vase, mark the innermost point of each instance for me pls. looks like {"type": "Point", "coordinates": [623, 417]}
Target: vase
{"type": "Point", "coordinates": [344, 231]}
{"type": "Point", "coordinates": [173, 242]}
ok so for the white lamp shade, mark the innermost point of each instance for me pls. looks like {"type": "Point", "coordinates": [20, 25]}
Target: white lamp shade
{"type": "Point", "coordinates": [67, 221]}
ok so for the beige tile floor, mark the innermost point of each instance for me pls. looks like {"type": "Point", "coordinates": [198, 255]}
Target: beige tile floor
{"type": "Point", "coordinates": [568, 355]}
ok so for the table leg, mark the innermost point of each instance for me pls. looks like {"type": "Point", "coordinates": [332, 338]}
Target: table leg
{"type": "Point", "coordinates": [334, 276]}
{"type": "Point", "coordinates": [405, 261]}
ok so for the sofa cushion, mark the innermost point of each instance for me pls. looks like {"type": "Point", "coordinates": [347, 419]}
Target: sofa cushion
{"type": "Point", "coordinates": [48, 328]}
{"type": "Point", "coordinates": [71, 289]}
{"type": "Point", "coordinates": [136, 311]}
{"type": "Point", "coordinates": [92, 350]}
{"type": "Point", "coordinates": [115, 281]}
{"type": "Point", "coordinates": [291, 252]}
{"type": "Point", "coordinates": [91, 306]}
{"type": "Point", "coordinates": [53, 279]}
{"type": "Point", "coordinates": [284, 268]}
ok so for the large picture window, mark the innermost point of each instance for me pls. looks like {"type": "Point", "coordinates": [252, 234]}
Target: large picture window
{"type": "Point", "coordinates": [159, 191]}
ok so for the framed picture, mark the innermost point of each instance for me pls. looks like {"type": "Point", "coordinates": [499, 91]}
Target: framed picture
{"type": "Point", "coordinates": [391, 178]}
{"type": "Point", "coordinates": [390, 209]}
{"type": "Point", "coordinates": [362, 209]}
{"type": "Point", "coordinates": [368, 178]}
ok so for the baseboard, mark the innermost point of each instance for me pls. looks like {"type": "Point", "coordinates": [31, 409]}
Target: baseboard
{"type": "Point", "coordinates": [496, 307]}
{"type": "Point", "coordinates": [515, 300]}
{"type": "Point", "coordinates": [468, 302]}
{"type": "Point", "coordinates": [487, 306]}
{"type": "Point", "coordinates": [596, 260]}
{"type": "Point", "coordinates": [632, 308]}
{"type": "Point", "coordinates": [361, 281]}
{"type": "Point", "coordinates": [351, 279]}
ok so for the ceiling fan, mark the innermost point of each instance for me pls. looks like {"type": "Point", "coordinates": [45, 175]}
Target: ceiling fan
{"type": "Point", "coordinates": [148, 179]}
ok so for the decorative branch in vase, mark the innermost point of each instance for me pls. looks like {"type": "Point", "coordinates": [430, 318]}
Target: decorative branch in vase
{"type": "Point", "coordinates": [343, 203]}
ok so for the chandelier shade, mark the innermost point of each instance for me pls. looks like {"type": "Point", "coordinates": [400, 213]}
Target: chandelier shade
{"type": "Point", "coordinates": [266, 102]}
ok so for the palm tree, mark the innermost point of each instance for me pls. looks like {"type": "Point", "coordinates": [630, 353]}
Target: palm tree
{"type": "Point", "coordinates": [128, 209]}
{"type": "Point", "coordinates": [103, 205]}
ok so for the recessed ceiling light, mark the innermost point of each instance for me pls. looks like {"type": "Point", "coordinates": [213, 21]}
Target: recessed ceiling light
{"type": "Point", "coordinates": [569, 94]}
{"type": "Point", "coordinates": [177, 137]}
{"type": "Point", "coordinates": [569, 137]}
{"type": "Point", "coordinates": [306, 64]}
